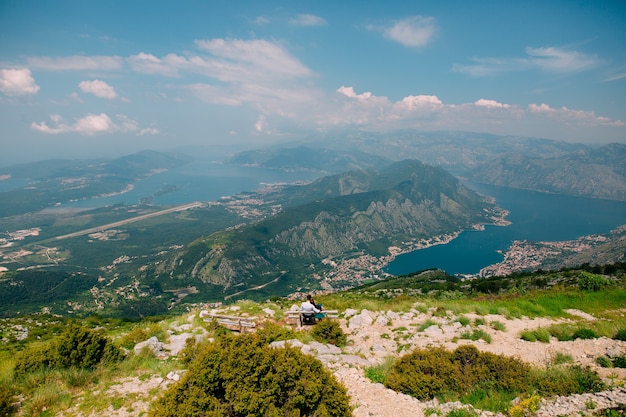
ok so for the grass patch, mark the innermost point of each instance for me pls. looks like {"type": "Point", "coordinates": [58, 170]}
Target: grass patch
{"type": "Point", "coordinates": [378, 373]}
{"type": "Point", "coordinates": [562, 358]}
{"type": "Point", "coordinates": [476, 334]}
{"type": "Point", "coordinates": [425, 325]}
{"type": "Point", "coordinates": [498, 325]}
{"type": "Point", "coordinates": [464, 321]}
{"type": "Point", "coordinates": [540, 334]}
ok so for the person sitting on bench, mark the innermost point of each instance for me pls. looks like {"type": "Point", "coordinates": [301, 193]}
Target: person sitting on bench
{"type": "Point", "coordinates": [308, 310]}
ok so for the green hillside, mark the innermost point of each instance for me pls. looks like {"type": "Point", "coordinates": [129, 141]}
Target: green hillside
{"type": "Point", "coordinates": [336, 217]}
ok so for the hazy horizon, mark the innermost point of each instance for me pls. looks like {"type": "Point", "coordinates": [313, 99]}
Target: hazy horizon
{"type": "Point", "coordinates": [105, 79]}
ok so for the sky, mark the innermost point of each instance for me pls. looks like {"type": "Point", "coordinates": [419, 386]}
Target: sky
{"type": "Point", "coordinates": [90, 78]}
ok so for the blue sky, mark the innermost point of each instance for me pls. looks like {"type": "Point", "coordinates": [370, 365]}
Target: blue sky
{"type": "Point", "coordinates": [106, 78]}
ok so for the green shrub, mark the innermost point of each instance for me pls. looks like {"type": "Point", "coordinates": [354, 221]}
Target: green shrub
{"type": "Point", "coordinates": [80, 347]}
{"type": "Point", "coordinates": [271, 332]}
{"type": "Point", "coordinates": [242, 376]}
{"type": "Point", "coordinates": [604, 362]}
{"type": "Point", "coordinates": [34, 358]}
{"type": "Point", "coordinates": [526, 406]}
{"type": "Point", "coordinates": [585, 333]}
{"type": "Point", "coordinates": [426, 373]}
{"type": "Point", "coordinates": [329, 331]}
{"type": "Point", "coordinates": [619, 361]}
{"type": "Point", "coordinates": [591, 282]}
{"type": "Point", "coordinates": [75, 347]}
{"type": "Point", "coordinates": [135, 336]}
{"type": "Point", "coordinates": [566, 380]}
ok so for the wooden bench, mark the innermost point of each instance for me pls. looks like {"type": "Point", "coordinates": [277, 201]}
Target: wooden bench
{"type": "Point", "coordinates": [296, 316]}
{"type": "Point", "coordinates": [236, 323]}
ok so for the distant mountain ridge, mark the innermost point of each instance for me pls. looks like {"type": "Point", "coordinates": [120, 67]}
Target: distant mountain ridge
{"type": "Point", "coordinates": [530, 163]}
{"type": "Point", "coordinates": [306, 158]}
{"type": "Point", "coordinates": [595, 173]}
{"type": "Point", "coordinates": [58, 181]}
{"type": "Point", "coordinates": [363, 211]}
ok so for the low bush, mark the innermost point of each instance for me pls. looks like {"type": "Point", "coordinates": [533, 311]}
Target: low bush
{"type": "Point", "coordinates": [329, 331]}
{"type": "Point", "coordinates": [566, 380]}
{"type": "Point", "coordinates": [483, 378]}
{"type": "Point", "coordinates": [135, 336]}
{"type": "Point", "coordinates": [271, 332]}
{"type": "Point", "coordinates": [75, 347]}
{"type": "Point", "coordinates": [242, 376]}
{"type": "Point", "coordinates": [585, 333]}
{"type": "Point", "coordinates": [526, 406]}
{"type": "Point", "coordinates": [425, 374]}
{"type": "Point", "coordinates": [591, 282]}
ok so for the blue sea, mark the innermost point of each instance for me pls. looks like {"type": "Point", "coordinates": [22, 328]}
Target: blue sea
{"type": "Point", "coordinates": [534, 216]}
{"type": "Point", "coordinates": [200, 180]}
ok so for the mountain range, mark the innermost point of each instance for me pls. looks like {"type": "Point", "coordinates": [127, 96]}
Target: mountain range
{"type": "Point", "coordinates": [335, 217]}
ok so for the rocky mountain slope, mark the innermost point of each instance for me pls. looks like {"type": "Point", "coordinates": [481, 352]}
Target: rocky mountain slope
{"type": "Point", "coordinates": [595, 173]}
{"type": "Point", "coordinates": [369, 343]}
{"type": "Point", "coordinates": [363, 211]}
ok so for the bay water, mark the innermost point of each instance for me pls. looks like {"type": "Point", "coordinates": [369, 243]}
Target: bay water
{"type": "Point", "coordinates": [534, 217]}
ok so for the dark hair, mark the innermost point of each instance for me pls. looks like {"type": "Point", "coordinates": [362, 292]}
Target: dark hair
{"type": "Point", "coordinates": [308, 296]}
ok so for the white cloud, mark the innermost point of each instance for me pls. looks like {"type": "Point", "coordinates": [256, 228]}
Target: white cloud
{"type": "Point", "coordinates": [416, 103]}
{"type": "Point", "coordinates": [547, 59]}
{"type": "Point", "coordinates": [307, 20]}
{"type": "Point", "coordinates": [491, 103]}
{"type": "Point", "coordinates": [428, 112]}
{"type": "Point", "coordinates": [349, 92]}
{"type": "Point", "coordinates": [414, 32]}
{"type": "Point", "coordinates": [90, 125]}
{"type": "Point", "coordinates": [261, 125]}
{"type": "Point", "coordinates": [169, 66]}
{"type": "Point", "coordinates": [560, 60]}
{"type": "Point", "coordinates": [240, 60]}
{"type": "Point", "coordinates": [149, 131]}
{"type": "Point", "coordinates": [569, 116]}
{"type": "Point", "coordinates": [98, 88]}
{"type": "Point", "coordinates": [76, 63]}
{"type": "Point", "coordinates": [17, 82]}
